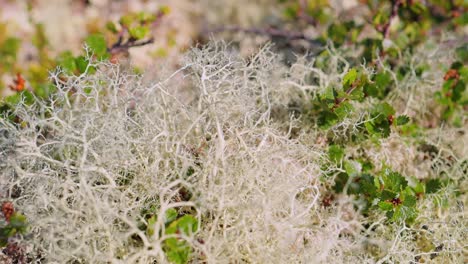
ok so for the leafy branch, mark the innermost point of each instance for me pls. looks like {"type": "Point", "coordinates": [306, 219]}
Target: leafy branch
{"type": "Point", "coordinates": [385, 29]}
{"type": "Point", "coordinates": [123, 45]}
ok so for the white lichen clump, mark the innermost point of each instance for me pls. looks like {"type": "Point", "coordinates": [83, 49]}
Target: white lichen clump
{"type": "Point", "coordinates": [110, 145]}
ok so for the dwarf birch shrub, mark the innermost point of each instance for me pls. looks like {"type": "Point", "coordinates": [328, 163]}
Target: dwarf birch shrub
{"type": "Point", "coordinates": [117, 169]}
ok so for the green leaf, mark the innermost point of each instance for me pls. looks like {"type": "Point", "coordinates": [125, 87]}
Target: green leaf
{"type": "Point", "coordinates": [40, 38]}
{"type": "Point", "coordinates": [402, 120]}
{"type": "Point", "coordinates": [165, 9]}
{"type": "Point", "coordinates": [139, 32]}
{"type": "Point", "coordinates": [81, 63]}
{"type": "Point", "coordinates": [337, 33]}
{"type": "Point", "coordinates": [394, 181]}
{"type": "Point", "coordinates": [404, 214]}
{"type": "Point", "coordinates": [367, 183]}
{"type": "Point", "coordinates": [385, 206]}
{"type": "Point", "coordinates": [335, 153]}
{"type": "Point", "coordinates": [463, 71]}
{"type": "Point", "coordinates": [5, 233]}
{"type": "Point", "coordinates": [66, 60]}
{"type": "Point", "coordinates": [327, 119]}
{"type": "Point", "coordinates": [328, 95]}
{"type": "Point", "coordinates": [462, 20]}
{"type": "Point", "coordinates": [10, 47]}
{"type": "Point", "coordinates": [127, 20]}
{"type": "Point", "coordinates": [367, 166]}
{"type": "Point", "coordinates": [409, 201]}
{"type": "Point", "coordinates": [187, 224]}
{"type": "Point", "coordinates": [350, 77]}
{"type": "Point", "coordinates": [340, 182]}
{"type": "Point", "coordinates": [97, 43]}
{"type": "Point", "coordinates": [8, 52]}
{"type": "Point", "coordinates": [177, 250]}
{"type": "Point", "coordinates": [44, 90]}
{"type": "Point", "coordinates": [145, 17]}
{"type": "Point", "coordinates": [112, 27]}
{"type": "Point", "coordinates": [178, 255]}
{"type": "Point", "coordinates": [384, 110]}
{"type": "Point", "coordinates": [462, 52]}
{"type": "Point", "coordinates": [417, 8]}
{"type": "Point", "coordinates": [290, 12]}
{"type": "Point", "coordinates": [13, 99]}
{"type": "Point", "coordinates": [387, 195]}
{"type": "Point", "coordinates": [380, 18]}
{"type": "Point", "coordinates": [343, 110]}
{"type": "Point", "coordinates": [380, 87]}
{"type": "Point", "coordinates": [371, 45]}
{"type": "Point", "coordinates": [171, 215]}
{"type": "Point", "coordinates": [352, 168]}
{"type": "Point", "coordinates": [150, 227]}
{"type": "Point", "coordinates": [419, 188]}
{"type": "Point", "coordinates": [379, 125]}
{"type": "Point", "coordinates": [18, 222]}
{"type": "Point", "coordinates": [433, 185]}
{"type": "Point", "coordinates": [357, 94]}
{"type": "Point", "coordinates": [458, 91]}
{"type": "Point", "coordinates": [378, 129]}
{"type": "Point", "coordinates": [456, 65]}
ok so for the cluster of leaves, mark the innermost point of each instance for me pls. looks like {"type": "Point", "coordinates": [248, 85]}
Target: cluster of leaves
{"type": "Point", "coordinates": [177, 229]}
{"type": "Point", "coordinates": [132, 30]}
{"type": "Point", "coordinates": [15, 224]}
{"type": "Point", "coordinates": [8, 50]}
{"type": "Point", "coordinates": [452, 95]}
{"type": "Point", "coordinates": [389, 34]}
{"type": "Point", "coordinates": [138, 24]}
{"type": "Point", "coordinates": [386, 190]}
{"type": "Point", "coordinates": [384, 43]}
{"type": "Point", "coordinates": [334, 105]}
{"type": "Point", "coordinates": [34, 77]}
{"type": "Point", "coordinates": [415, 20]}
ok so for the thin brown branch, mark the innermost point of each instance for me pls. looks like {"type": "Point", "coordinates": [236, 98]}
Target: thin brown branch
{"type": "Point", "coordinates": [348, 91]}
{"type": "Point", "coordinates": [119, 46]}
{"type": "Point", "coordinates": [271, 32]}
{"type": "Point", "coordinates": [386, 28]}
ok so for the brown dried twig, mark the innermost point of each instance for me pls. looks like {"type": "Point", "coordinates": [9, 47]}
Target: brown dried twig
{"type": "Point", "coordinates": [122, 45]}
{"type": "Point", "coordinates": [271, 32]}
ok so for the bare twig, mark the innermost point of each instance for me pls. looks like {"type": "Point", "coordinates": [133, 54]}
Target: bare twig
{"type": "Point", "coordinates": [119, 46]}
{"type": "Point", "coordinates": [271, 32]}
